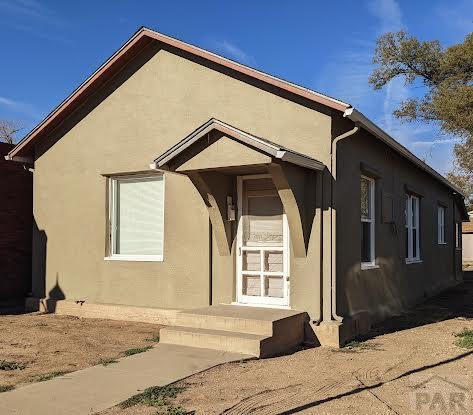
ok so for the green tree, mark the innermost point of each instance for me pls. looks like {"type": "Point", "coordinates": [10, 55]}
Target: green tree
{"type": "Point", "coordinates": [446, 74]}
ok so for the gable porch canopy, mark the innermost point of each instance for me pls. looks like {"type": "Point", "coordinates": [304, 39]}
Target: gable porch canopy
{"type": "Point", "coordinates": [216, 152]}
{"type": "Point", "coordinates": [264, 146]}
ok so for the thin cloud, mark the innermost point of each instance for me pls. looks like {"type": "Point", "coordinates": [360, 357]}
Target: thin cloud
{"type": "Point", "coordinates": [436, 142]}
{"type": "Point", "coordinates": [234, 52]}
{"type": "Point", "coordinates": [41, 34]}
{"type": "Point", "coordinates": [19, 107]}
{"type": "Point", "coordinates": [458, 19]}
{"type": "Point", "coordinates": [388, 12]}
{"type": "Point", "coordinates": [31, 10]}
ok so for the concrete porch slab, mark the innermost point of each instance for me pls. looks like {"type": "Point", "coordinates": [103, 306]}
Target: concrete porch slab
{"type": "Point", "coordinates": [243, 312]}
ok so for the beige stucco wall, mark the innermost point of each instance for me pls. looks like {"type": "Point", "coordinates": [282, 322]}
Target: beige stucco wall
{"type": "Point", "coordinates": [140, 117]}
{"type": "Point", "coordinates": [394, 285]}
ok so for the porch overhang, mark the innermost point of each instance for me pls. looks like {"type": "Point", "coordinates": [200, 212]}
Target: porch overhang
{"type": "Point", "coordinates": [216, 152]}
{"type": "Point", "coordinates": [262, 145]}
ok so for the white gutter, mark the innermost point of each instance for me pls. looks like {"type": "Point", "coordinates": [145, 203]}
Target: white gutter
{"type": "Point", "coordinates": [19, 159]}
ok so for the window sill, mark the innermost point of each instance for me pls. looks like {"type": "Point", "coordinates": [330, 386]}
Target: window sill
{"type": "Point", "coordinates": [135, 258]}
{"type": "Point", "coordinates": [369, 266]}
{"type": "Point", "coordinates": [413, 261]}
{"type": "Point", "coordinates": [442, 243]}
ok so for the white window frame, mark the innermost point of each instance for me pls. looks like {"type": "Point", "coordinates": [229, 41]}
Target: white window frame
{"type": "Point", "coordinates": [372, 222]}
{"type": "Point", "coordinates": [410, 226]}
{"type": "Point", "coordinates": [112, 228]}
{"type": "Point", "coordinates": [441, 211]}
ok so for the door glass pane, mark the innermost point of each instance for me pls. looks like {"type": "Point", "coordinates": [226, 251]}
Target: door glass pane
{"type": "Point", "coordinates": [251, 285]}
{"type": "Point", "coordinates": [262, 214]}
{"type": "Point", "coordinates": [263, 221]}
{"type": "Point", "coordinates": [273, 286]}
{"type": "Point", "coordinates": [251, 261]}
{"type": "Point", "coordinates": [273, 261]}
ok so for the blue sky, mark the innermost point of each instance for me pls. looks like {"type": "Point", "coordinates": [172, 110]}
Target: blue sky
{"type": "Point", "coordinates": [48, 47]}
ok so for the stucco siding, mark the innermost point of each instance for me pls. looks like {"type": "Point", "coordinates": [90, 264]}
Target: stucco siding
{"type": "Point", "coordinates": [394, 285]}
{"type": "Point", "coordinates": [137, 117]}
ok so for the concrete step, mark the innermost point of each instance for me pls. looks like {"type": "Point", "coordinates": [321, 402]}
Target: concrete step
{"type": "Point", "coordinates": [260, 332]}
{"type": "Point", "coordinates": [225, 323]}
{"type": "Point", "coordinates": [234, 318]}
{"type": "Point", "coordinates": [228, 341]}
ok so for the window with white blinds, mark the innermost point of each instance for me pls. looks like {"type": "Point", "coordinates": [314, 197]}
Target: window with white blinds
{"type": "Point", "coordinates": [137, 218]}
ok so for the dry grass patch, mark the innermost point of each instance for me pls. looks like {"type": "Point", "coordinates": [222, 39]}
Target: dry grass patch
{"type": "Point", "coordinates": [5, 365]}
{"type": "Point", "coordinates": [136, 350]}
{"type": "Point", "coordinates": [160, 397]}
{"type": "Point", "coordinates": [6, 388]}
{"type": "Point", "coordinates": [37, 347]}
{"type": "Point", "coordinates": [465, 339]}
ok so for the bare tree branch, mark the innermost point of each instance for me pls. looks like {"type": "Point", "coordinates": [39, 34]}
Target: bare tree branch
{"type": "Point", "coordinates": [8, 130]}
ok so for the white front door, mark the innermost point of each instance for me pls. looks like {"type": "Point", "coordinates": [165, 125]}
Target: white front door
{"type": "Point", "coordinates": [262, 244]}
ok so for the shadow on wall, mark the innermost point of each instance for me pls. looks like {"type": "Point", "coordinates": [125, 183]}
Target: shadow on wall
{"type": "Point", "coordinates": [54, 295]}
{"type": "Point", "coordinates": [456, 302]}
{"type": "Point", "coordinates": [40, 242]}
{"type": "Point", "coordinates": [39, 300]}
{"type": "Point", "coordinates": [385, 286]}
{"type": "Point", "coordinates": [38, 274]}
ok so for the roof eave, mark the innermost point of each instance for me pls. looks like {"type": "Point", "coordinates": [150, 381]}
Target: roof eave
{"type": "Point", "coordinates": [357, 117]}
{"type": "Point", "coordinates": [194, 50]}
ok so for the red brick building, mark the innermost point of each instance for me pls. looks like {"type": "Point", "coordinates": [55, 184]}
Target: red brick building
{"type": "Point", "coordinates": [16, 221]}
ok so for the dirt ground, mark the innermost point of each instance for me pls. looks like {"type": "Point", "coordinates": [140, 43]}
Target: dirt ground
{"type": "Point", "coordinates": [47, 344]}
{"type": "Point", "coordinates": [408, 365]}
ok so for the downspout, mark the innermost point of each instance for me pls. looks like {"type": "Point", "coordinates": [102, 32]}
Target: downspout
{"type": "Point", "coordinates": [333, 219]}
{"type": "Point", "coordinates": [210, 264]}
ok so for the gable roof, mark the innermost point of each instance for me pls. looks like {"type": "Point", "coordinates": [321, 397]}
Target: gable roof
{"type": "Point", "coordinates": [140, 39]}
{"type": "Point", "coordinates": [144, 37]}
{"type": "Point", "coordinates": [261, 144]}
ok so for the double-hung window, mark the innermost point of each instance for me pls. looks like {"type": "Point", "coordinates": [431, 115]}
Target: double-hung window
{"type": "Point", "coordinates": [136, 217]}
{"type": "Point", "coordinates": [412, 228]}
{"type": "Point", "coordinates": [368, 258]}
{"type": "Point", "coordinates": [441, 225]}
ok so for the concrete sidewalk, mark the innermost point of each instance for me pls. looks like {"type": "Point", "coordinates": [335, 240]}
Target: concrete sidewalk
{"type": "Point", "coordinates": [100, 387]}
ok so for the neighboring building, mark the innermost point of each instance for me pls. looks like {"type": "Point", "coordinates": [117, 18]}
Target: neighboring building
{"type": "Point", "coordinates": [16, 214]}
{"type": "Point", "coordinates": [467, 241]}
{"type": "Point", "coordinates": [311, 206]}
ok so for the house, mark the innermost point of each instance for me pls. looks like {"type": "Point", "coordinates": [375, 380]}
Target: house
{"type": "Point", "coordinates": [467, 242]}
{"type": "Point", "coordinates": [16, 214]}
{"type": "Point", "coordinates": [175, 179]}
